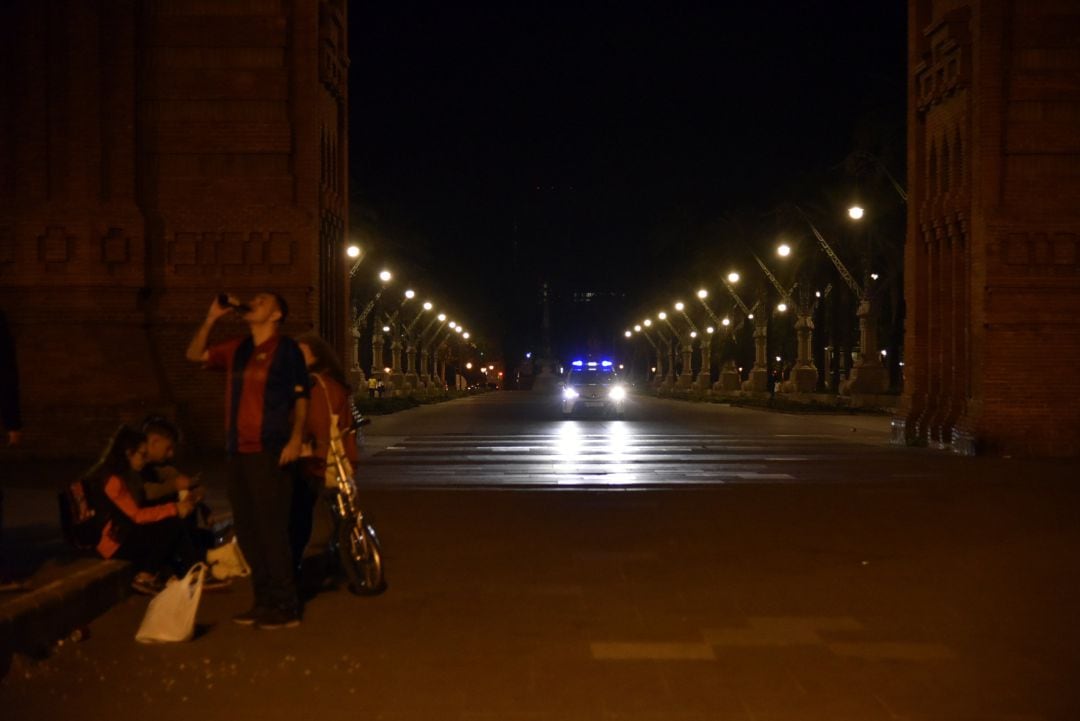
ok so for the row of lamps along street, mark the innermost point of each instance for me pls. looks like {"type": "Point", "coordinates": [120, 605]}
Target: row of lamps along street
{"type": "Point", "coordinates": [670, 342]}
{"type": "Point", "coordinates": [419, 352]}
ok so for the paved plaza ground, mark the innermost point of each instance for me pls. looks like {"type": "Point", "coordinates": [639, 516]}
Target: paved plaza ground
{"type": "Point", "coordinates": [690, 562]}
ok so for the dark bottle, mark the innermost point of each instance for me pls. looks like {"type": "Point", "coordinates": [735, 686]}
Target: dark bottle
{"type": "Point", "coordinates": [224, 302]}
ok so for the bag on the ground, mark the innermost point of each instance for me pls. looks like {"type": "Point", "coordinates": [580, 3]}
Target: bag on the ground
{"type": "Point", "coordinates": [79, 521]}
{"type": "Point", "coordinates": [227, 561]}
{"type": "Point", "coordinates": [170, 616]}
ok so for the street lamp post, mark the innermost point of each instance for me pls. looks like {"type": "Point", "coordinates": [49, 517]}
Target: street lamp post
{"type": "Point", "coordinates": [377, 341]}
{"type": "Point", "coordinates": [686, 377]}
{"type": "Point", "coordinates": [729, 380]}
{"type": "Point", "coordinates": [672, 351]}
{"type": "Point", "coordinates": [704, 381]}
{"type": "Point", "coordinates": [868, 375]}
{"type": "Point", "coordinates": [412, 380]}
{"type": "Point", "coordinates": [639, 328]}
{"type": "Point", "coordinates": [758, 381]}
{"type": "Point", "coordinates": [356, 254]}
{"type": "Point", "coordinates": [378, 345]}
{"type": "Point", "coordinates": [425, 344]}
{"type": "Point", "coordinates": [804, 375]}
{"type": "Point", "coordinates": [658, 376]}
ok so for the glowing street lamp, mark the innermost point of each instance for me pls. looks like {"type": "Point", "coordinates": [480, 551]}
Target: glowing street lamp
{"type": "Point", "coordinates": [628, 334]}
{"type": "Point", "coordinates": [410, 294]}
{"type": "Point", "coordinates": [679, 306]}
{"type": "Point", "coordinates": [662, 315]}
{"type": "Point", "coordinates": [733, 277]}
{"type": "Point", "coordinates": [428, 305]}
{"type": "Point", "coordinates": [703, 294]}
{"type": "Point", "coordinates": [637, 328]}
{"type": "Point", "coordinates": [385, 276]}
{"type": "Point", "coordinates": [783, 250]}
{"type": "Point", "coordinates": [782, 307]}
{"type": "Point", "coordinates": [855, 212]}
{"type": "Point", "coordinates": [353, 251]}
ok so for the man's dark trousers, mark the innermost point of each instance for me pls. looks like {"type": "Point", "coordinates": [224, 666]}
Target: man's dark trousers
{"type": "Point", "coordinates": [261, 493]}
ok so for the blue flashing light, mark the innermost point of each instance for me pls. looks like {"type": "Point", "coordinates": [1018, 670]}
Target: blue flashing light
{"type": "Point", "coordinates": [606, 364]}
{"type": "Point", "coordinates": [577, 364]}
{"type": "Point", "coordinates": [592, 364]}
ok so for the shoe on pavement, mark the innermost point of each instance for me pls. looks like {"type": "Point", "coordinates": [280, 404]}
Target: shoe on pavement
{"type": "Point", "coordinates": [147, 585]}
{"type": "Point", "coordinates": [276, 618]}
{"type": "Point", "coordinates": [249, 617]}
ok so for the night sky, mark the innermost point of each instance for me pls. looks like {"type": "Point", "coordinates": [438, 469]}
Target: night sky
{"type": "Point", "coordinates": [593, 148]}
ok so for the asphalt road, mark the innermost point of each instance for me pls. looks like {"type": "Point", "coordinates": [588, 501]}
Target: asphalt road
{"type": "Point", "coordinates": [692, 561]}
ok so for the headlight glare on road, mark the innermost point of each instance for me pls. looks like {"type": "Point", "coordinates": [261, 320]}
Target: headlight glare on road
{"type": "Point", "coordinates": [569, 392]}
{"type": "Point", "coordinates": [617, 393]}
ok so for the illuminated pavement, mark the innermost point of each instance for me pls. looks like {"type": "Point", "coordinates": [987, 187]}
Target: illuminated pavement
{"type": "Point", "coordinates": [769, 568]}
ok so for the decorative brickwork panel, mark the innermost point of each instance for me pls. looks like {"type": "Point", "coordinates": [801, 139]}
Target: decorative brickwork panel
{"type": "Point", "coordinates": [55, 245]}
{"type": "Point", "coordinates": [255, 249]}
{"type": "Point", "coordinates": [279, 251]}
{"type": "Point", "coordinates": [1065, 249]}
{"type": "Point", "coordinates": [231, 251]}
{"type": "Point", "coordinates": [207, 246]}
{"type": "Point", "coordinates": [7, 244]}
{"type": "Point", "coordinates": [115, 247]}
{"type": "Point", "coordinates": [184, 251]}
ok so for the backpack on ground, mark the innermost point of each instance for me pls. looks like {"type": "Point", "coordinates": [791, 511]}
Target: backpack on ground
{"type": "Point", "coordinates": [79, 520]}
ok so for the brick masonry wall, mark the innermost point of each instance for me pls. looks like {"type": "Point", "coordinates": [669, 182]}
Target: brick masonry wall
{"type": "Point", "coordinates": [1016, 64]}
{"type": "Point", "coordinates": [159, 153]}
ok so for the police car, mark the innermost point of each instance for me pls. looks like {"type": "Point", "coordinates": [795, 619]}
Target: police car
{"type": "Point", "coordinates": [592, 384]}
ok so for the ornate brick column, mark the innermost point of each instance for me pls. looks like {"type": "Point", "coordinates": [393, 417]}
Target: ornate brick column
{"type": "Point", "coordinates": [759, 374]}
{"type": "Point", "coordinates": [411, 379]}
{"type": "Point", "coordinates": [378, 358]}
{"type": "Point", "coordinates": [686, 377]}
{"type": "Point", "coordinates": [804, 375]}
{"type": "Point", "coordinates": [397, 377]}
{"type": "Point", "coordinates": [704, 380]}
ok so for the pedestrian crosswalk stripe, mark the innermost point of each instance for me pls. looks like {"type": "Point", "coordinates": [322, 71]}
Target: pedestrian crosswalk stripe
{"type": "Point", "coordinates": [595, 459]}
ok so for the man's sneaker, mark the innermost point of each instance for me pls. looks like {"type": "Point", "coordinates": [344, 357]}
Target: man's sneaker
{"type": "Point", "coordinates": [147, 585]}
{"type": "Point", "coordinates": [276, 618]}
{"type": "Point", "coordinates": [249, 617]}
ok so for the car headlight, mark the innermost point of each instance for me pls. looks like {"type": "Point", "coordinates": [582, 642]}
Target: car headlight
{"type": "Point", "coordinates": [617, 393]}
{"type": "Point", "coordinates": [569, 392]}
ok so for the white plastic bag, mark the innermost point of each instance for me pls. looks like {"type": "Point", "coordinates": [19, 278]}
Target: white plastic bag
{"type": "Point", "coordinates": [227, 561]}
{"type": "Point", "coordinates": [171, 614]}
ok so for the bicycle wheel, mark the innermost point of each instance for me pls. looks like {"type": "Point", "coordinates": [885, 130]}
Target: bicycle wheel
{"type": "Point", "coordinates": [361, 558]}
